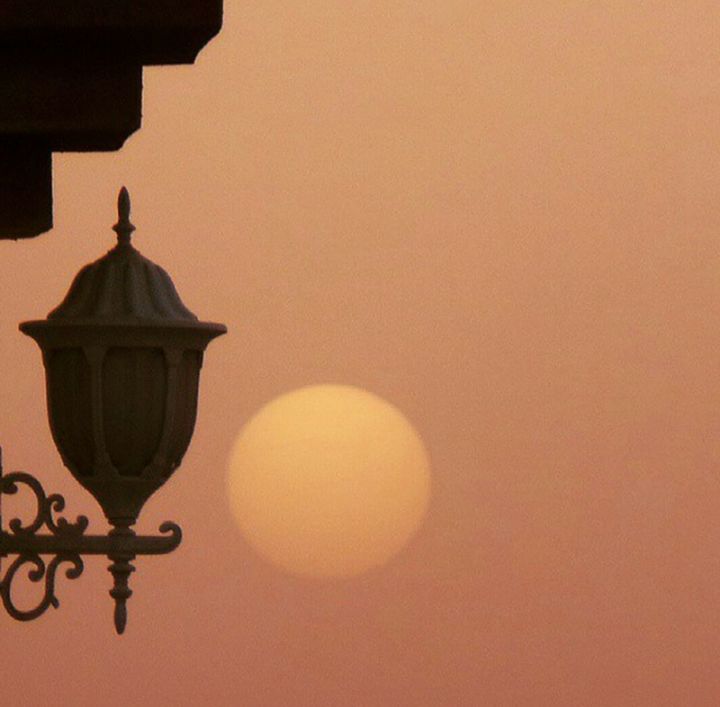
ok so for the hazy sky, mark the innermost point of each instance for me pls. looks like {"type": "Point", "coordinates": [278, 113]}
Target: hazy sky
{"type": "Point", "coordinates": [502, 217]}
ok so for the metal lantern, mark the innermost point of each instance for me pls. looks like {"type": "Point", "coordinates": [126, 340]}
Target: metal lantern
{"type": "Point", "coordinates": [122, 359]}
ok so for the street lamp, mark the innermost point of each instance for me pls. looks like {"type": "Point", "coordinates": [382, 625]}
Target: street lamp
{"type": "Point", "coordinates": [122, 358]}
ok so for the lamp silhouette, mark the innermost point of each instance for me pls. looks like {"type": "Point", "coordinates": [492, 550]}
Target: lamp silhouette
{"type": "Point", "coordinates": [122, 358]}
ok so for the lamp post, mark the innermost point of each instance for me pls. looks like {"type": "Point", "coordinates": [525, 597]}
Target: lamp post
{"type": "Point", "coordinates": [122, 358]}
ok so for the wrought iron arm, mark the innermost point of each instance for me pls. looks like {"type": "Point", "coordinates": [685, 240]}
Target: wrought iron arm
{"type": "Point", "coordinates": [68, 543]}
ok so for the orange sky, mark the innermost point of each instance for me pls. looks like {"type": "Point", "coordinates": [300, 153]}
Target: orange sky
{"type": "Point", "coordinates": [503, 218]}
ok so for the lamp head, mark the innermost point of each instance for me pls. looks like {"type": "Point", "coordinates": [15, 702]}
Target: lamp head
{"type": "Point", "coordinates": [122, 359]}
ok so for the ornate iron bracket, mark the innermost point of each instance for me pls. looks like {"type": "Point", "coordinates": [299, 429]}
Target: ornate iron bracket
{"type": "Point", "coordinates": [68, 543]}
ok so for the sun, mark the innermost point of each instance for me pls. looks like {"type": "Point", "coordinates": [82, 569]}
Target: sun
{"type": "Point", "coordinates": [328, 481]}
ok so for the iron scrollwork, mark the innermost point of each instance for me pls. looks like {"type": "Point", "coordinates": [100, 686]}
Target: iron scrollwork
{"type": "Point", "coordinates": [67, 543]}
{"type": "Point", "coordinates": [61, 528]}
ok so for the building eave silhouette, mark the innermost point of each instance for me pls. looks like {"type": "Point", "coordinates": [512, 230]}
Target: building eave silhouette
{"type": "Point", "coordinates": [71, 80]}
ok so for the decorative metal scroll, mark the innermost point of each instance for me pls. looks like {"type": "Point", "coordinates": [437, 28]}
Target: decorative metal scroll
{"type": "Point", "coordinates": [67, 543]}
{"type": "Point", "coordinates": [13, 542]}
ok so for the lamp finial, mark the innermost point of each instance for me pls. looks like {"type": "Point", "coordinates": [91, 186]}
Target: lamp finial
{"type": "Point", "coordinates": [124, 228]}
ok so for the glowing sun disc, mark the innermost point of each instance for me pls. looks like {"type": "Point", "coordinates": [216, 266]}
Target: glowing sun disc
{"type": "Point", "coordinates": [328, 480]}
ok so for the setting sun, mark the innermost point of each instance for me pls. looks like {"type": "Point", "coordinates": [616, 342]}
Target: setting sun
{"type": "Point", "coordinates": [328, 481]}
